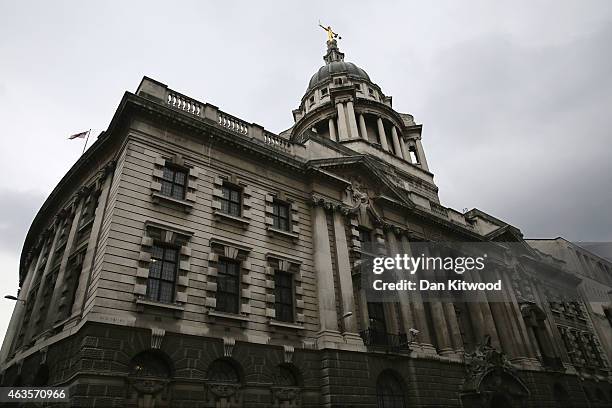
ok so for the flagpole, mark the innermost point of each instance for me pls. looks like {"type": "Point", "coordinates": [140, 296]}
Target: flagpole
{"type": "Point", "coordinates": [86, 140]}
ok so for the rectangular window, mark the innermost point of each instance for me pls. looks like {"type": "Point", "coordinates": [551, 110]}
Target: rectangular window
{"type": "Point", "coordinates": [365, 236]}
{"type": "Point", "coordinates": [162, 274]}
{"type": "Point", "coordinates": [88, 212]}
{"type": "Point", "coordinates": [324, 91]}
{"type": "Point", "coordinates": [283, 296]}
{"type": "Point", "coordinates": [231, 200]}
{"type": "Point", "coordinates": [228, 286]}
{"type": "Point", "coordinates": [414, 158]}
{"type": "Point", "coordinates": [376, 314]}
{"type": "Point", "coordinates": [173, 182]}
{"type": "Point", "coordinates": [280, 215]}
{"type": "Point", "coordinates": [47, 293]}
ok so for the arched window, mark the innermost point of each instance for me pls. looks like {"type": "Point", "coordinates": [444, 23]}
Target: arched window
{"type": "Point", "coordinates": [222, 371]}
{"type": "Point", "coordinates": [389, 391]}
{"type": "Point", "coordinates": [536, 326]}
{"type": "Point", "coordinates": [149, 376]}
{"type": "Point", "coordinates": [149, 365]}
{"type": "Point", "coordinates": [224, 382]}
{"type": "Point", "coordinates": [562, 398]}
{"type": "Point", "coordinates": [286, 389]}
{"type": "Point", "coordinates": [285, 377]}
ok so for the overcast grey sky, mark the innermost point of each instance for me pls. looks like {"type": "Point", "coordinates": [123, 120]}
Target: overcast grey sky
{"type": "Point", "coordinates": [515, 98]}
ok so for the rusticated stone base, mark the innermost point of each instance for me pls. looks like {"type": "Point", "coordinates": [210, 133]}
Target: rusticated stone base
{"type": "Point", "coordinates": [95, 365]}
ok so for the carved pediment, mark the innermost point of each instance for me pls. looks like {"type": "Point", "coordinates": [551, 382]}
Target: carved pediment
{"type": "Point", "coordinates": [489, 372]}
{"type": "Point", "coordinates": [367, 177]}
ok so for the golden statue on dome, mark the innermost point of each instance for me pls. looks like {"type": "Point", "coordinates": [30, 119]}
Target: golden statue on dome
{"type": "Point", "coordinates": [331, 35]}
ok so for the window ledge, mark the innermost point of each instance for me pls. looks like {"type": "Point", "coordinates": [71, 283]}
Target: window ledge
{"type": "Point", "coordinates": [187, 206]}
{"type": "Point", "coordinates": [231, 316]}
{"type": "Point", "coordinates": [233, 218]}
{"type": "Point", "coordinates": [86, 224]}
{"type": "Point", "coordinates": [79, 246]}
{"type": "Point", "coordinates": [171, 306]}
{"type": "Point", "coordinates": [286, 325]}
{"type": "Point", "coordinates": [280, 232]}
{"type": "Point", "coordinates": [365, 253]}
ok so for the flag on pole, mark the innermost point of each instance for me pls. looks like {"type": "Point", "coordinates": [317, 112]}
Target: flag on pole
{"type": "Point", "coordinates": [79, 135]}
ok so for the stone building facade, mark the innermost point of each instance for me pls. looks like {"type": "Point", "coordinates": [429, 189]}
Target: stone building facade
{"type": "Point", "coordinates": [193, 259]}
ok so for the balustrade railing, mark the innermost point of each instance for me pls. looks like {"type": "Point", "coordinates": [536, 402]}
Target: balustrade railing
{"type": "Point", "coordinates": [157, 91]}
{"type": "Point", "coordinates": [277, 142]}
{"type": "Point", "coordinates": [181, 102]}
{"type": "Point", "coordinates": [438, 209]}
{"type": "Point", "coordinates": [232, 123]}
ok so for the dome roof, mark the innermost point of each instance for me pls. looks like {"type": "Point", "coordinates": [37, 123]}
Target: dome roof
{"type": "Point", "coordinates": [336, 67]}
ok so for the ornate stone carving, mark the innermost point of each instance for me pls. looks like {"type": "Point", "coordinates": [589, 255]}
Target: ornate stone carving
{"type": "Point", "coordinates": [228, 346]}
{"type": "Point", "coordinates": [288, 354]}
{"type": "Point", "coordinates": [222, 389]}
{"type": "Point", "coordinates": [148, 385]}
{"type": "Point", "coordinates": [326, 203]}
{"type": "Point", "coordinates": [157, 335]}
{"type": "Point", "coordinates": [484, 358]}
{"type": "Point", "coordinates": [489, 373]}
{"type": "Point", "coordinates": [285, 393]}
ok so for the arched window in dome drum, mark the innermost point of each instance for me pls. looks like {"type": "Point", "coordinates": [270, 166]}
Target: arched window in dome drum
{"type": "Point", "coordinates": [414, 158]}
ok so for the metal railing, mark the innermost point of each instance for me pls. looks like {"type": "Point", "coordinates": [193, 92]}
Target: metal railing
{"type": "Point", "coordinates": [387, 341]}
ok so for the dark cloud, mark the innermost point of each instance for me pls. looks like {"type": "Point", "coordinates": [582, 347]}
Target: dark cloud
{"type": "Point", "coordinates": [17, 210]}
{"type": "Point", "coordinates": [521, 132]}
{"type": "Point", "coordinates": [514, 98]}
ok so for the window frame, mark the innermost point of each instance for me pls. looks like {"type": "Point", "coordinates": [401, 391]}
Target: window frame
{"type": "Point", "coordinates": [413, 154]}
{"type": "Point", "coordinates": [277, 302]}
{"type": "Point", "coordinates": [154, 259]}
{"type": "Point", "coordinates": [277, 218]}
{"type": "Point", "coordinates": [367, 249]}
{"type": "Point", "coordinates": [173, 183]}
{"type": "Point", "coordinates": [228, 201]}
{"type": "Point", "coordinates": [377, 319]}
{"type": "Point", "coordinates": [224, 294]}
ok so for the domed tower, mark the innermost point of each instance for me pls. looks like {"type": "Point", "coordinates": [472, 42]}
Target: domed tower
{"type": "Point", "coordinates": [344, 105]}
